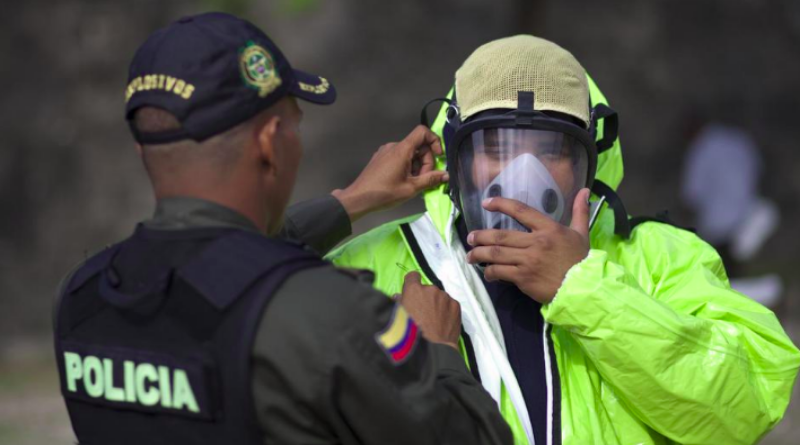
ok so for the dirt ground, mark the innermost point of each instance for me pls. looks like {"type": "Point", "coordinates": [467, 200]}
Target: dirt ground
{"type": "Point", "coordinates": [32, 412]}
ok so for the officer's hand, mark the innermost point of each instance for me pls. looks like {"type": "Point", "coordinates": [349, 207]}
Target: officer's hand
{"type": "Point", "coordinates": [437, 315]}
{"type": "Point", "coordinates": [535, 262]}
{"type": "Point", "coordinates": [397, 172]}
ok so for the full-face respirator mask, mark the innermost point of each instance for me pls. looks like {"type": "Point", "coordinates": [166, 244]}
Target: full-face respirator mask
{"type": "Point", "coordinates": [527, 155]}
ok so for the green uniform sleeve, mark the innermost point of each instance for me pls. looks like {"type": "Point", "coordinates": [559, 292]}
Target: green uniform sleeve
{"type": "Point", "coordinates": [321, 223]}
{"type": "Point", "coordinates": [693, 359]}
{"type": "Point", "coordinates": [321, 374]}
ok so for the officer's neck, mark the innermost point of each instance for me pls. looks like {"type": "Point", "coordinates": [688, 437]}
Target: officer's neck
{"type": "Point", "coordinates": [245, 187]}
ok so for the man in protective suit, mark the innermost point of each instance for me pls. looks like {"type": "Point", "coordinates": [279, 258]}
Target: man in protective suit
{"type": "Point", "coordinates": [201, 329]}
{"type": "Point", "coordinates": [585, 326]}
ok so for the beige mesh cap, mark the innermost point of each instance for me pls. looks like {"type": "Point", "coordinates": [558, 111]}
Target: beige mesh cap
{"type": "Point", "coordinates": [493, 75]}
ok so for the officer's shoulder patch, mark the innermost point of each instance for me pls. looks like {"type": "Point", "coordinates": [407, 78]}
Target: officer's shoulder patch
{"type": "Point", "coordinates": [400, 336]}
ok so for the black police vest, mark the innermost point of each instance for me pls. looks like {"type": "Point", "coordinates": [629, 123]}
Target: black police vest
{"type": "Point", "coordinates": [154, 335]}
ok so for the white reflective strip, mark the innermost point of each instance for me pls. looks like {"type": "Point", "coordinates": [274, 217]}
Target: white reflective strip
{"type": "Point", "coordinates": [462, 283]}
{"type": "Point", "coordinates": [549, 378]}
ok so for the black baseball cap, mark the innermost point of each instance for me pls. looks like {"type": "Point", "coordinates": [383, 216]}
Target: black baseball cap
{"type": "Point", "coordinates": [213, 71]}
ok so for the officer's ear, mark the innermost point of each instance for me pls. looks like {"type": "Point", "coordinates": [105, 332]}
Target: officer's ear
{"type": "Point", "coordinates": [139, 149]}
{"type": "Point", "coordinates": [267, 140]}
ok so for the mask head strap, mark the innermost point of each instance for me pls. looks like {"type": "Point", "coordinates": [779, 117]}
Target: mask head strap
{"type": "Point", "coordinates": [452, 118]}
{"type": "Point", "coordinates": [452, 113]}
{"type": "Point", "coordinates": [525, 107]}
{"type": "Point", "coordinates": [610, 126]}
{"type": "Point", "coordinates": [622, 226]}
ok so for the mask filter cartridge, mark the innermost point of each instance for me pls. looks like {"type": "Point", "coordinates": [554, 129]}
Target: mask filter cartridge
{"type": "Point", "coordinates": [527, 180]}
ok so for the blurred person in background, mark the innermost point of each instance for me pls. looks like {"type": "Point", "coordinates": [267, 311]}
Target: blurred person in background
{"type": "Point", "coordinates": [201, 328]}
{"type": "Point", "coordinates": [721, 177]}
{"type": "Point", "coordinates": [584, 325]}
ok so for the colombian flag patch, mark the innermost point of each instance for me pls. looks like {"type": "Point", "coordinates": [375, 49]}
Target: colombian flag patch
{"type": "Point", "coordinates": [399, 337]}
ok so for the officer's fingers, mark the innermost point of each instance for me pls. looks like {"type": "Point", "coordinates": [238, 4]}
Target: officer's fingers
{"type": "Point", "coordinates": [508, 238]}
{"type": "Point", "coordinates": [452, 303]}
{"type": "Point", "coordinates": [430, 139]}
{"type": "Point", "coordinates": [426, 161]}
{"type": "Point", "coordinates": [435, 144]}
{"type": "Point", "coordinates": [496, 255]}
{"type": "Point", "coordinates": [527, 216]}
{"type": "Point", "coordinates": [429, 180]}
{"type": "Point", "coordinates": [501, 272]}
{"type": "Point", "coordinates": [422, 161]}
{"type": "Point", "coordinates": [580, 213]}
{"type": "Point", "coordinates": [411, 279]}
{"type": "Point", "coordinates": [421, 136]}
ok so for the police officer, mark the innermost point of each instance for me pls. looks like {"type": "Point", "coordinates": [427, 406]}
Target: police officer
{"type": "Point", "coordinates": [198, 328]}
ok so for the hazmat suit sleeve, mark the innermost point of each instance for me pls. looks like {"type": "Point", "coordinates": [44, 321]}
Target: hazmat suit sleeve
{"type": "Point", "coordinates": [696, 361]}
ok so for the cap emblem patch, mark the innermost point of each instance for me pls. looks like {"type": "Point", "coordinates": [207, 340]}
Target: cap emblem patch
{"type": "Point", "coordinates": [258, 69]}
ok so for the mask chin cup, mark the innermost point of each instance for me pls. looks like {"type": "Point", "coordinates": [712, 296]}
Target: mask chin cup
{"type": "Point", "coordinates": [527, 180]}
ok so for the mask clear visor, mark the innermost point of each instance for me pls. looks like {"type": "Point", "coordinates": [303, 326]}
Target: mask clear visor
{"type": "Point", "coordinates": [540, 168]}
